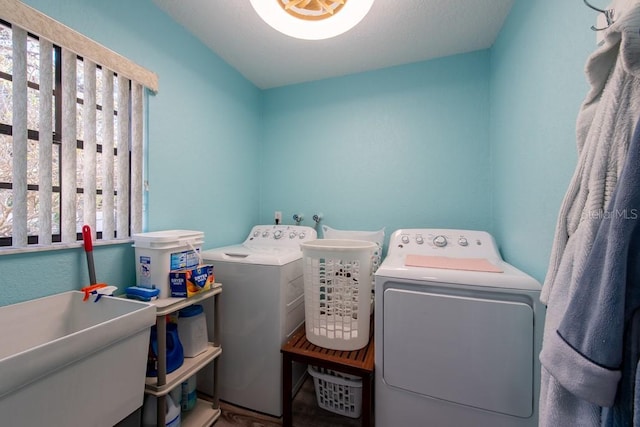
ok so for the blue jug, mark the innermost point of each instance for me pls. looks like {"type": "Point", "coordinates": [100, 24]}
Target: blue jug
{"type": "Point", "coordinates": [175, 353]}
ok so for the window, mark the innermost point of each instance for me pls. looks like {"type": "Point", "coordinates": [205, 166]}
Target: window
{"type": "Point", "coordinates": [70, 137]}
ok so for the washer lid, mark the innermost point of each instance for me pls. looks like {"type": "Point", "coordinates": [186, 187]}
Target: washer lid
{"type": "Point", "coordinates": [265, 245]}
{"type": "Point", "coordinates": [252, 255]}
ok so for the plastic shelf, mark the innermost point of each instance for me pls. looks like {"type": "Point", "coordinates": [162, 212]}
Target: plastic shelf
{"type": "Point", "coordinates": [166, 306]}
{"type": "Point", "coordinates": [190, 366]}
{"type": "Point", "coordinates": [203, 414]}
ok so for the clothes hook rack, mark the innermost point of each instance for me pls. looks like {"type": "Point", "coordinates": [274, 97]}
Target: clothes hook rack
{"type": "Point", "coordinates": [608, 14]}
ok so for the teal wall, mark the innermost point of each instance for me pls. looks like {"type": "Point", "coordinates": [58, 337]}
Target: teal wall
{"type": "Point", "coordinates": [397, 148]}
{"type": "Point", "coordinates": [537, 85]}
{"type": "Point", "coordinates": [482, 140]}
{"type": "Point", "coordinates": [203, 153]}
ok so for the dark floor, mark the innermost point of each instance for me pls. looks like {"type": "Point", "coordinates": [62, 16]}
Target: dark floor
{"type": "Point", "coordinates": [306, 413]}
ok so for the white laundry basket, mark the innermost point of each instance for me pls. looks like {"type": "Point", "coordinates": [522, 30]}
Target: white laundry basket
{"type": "Point", "coordinates": [337, 288]}
{"type": "Point", "coordinates": [376, 236]}
{"type": "Point", "coordinates": [337, 392]}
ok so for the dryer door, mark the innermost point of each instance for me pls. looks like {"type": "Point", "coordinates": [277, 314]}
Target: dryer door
{"type": "Point", "coordinates": [471, 351]}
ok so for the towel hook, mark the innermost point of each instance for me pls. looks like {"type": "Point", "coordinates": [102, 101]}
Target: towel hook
{"type": "Point", "coordinates": [608, 14]}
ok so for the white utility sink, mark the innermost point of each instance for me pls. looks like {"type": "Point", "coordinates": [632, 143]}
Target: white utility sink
{"type": "Point", "coordinates": [67, 362]}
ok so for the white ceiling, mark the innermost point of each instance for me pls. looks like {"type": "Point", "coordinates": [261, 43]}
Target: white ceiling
{"type": "Point", "coordinates": [394, 32]}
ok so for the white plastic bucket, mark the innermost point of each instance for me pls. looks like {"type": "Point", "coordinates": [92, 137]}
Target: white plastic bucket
{"type": "Point", "coordinates": [337, 292]}
{"type": "Point", "coordinates": [159, 252]}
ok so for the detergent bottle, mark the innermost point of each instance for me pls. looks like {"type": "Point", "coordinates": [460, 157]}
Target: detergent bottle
{"type": "Point", "coordinates": [174, 351]}
{"type": "Point", "coordinates": [150, 412]}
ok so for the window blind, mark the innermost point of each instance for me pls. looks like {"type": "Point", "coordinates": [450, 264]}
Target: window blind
{"type": "Point", "coordinates": [90, 153]}
{"type": "Point", "coordinates": [19, 173]}
{"type": "Point", "coordinates": [45, 158]}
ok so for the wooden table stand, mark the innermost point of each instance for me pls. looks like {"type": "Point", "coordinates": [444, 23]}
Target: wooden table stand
{"type": "Point", "coordinates": [357, 362]}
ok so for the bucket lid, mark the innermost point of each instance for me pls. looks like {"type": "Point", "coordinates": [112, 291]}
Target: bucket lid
{"type": "Point", "coordinates": [192, 310]}
{"type": "Point", "coordinates": [168, 239]}
{"type": "Point", "coordinates": [167, 235]}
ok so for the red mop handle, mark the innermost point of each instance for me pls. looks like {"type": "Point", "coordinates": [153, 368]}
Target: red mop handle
{"type": "Point", "coordinates": [86, 236]}
{"type": "Point", "coordinates": [88, 248]}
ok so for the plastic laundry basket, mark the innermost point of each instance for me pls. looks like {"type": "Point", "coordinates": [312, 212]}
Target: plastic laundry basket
{"type": "Point", "coordinates": [337, 289]}
{"type": "Point", "coordinates": [337, 392]}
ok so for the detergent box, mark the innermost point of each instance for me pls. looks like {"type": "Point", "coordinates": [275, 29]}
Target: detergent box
{"type": "Point", "coordinates": [188, 282]}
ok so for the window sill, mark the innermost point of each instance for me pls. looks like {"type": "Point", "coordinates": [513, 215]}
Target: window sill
{"type": "Point", "coordinates": [9, 250]}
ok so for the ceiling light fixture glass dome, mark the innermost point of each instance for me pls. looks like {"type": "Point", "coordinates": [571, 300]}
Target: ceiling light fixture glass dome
{"type": "Point", "coordinates": [312, 19]}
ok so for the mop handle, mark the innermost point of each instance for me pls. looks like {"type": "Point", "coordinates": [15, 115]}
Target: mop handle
{"type": "Point", "coordinates": [88, 248]}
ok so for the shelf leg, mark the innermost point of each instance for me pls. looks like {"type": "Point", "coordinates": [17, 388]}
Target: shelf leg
{"type": "Point", "coordinates": [216, 322]}
{"type": "Point", "coordinates": [367, 397]}
{"type": "Point", "coordinates": [216, 342]}
{"type": "Point", "coordinates": [161, 325]}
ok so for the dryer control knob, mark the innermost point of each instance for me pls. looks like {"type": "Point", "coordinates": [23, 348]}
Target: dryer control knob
{"type": "Point", "coordinates": [277, 234]}
{"type": "Point", "coordinates": [440, 241]}
{"type": "Point", "coordinates": [256, 233]}
{"type": "Point", "coordinates": [405, 239]}
{"type": "Point", "coordinates": [265, 233]}
{"type": "Point", "coordinates": [463, 241]}
{"type": "Point", "coordinates": [302, 235]}
{"type": "Point", "coordinates": [292, 234]}
{"type": "Point", "coordinates": [419, 239]}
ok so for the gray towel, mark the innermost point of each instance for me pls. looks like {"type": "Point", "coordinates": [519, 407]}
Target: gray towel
{"type": "Point", "coordinates": [605, 128]}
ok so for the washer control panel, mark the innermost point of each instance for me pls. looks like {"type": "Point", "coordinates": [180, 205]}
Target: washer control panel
{"type": "Point", "coordinates": [280, 235]}
{"type": "Point", "coordinates": [443, 242]}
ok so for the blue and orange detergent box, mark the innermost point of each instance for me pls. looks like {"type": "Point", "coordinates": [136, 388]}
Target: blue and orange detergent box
{"type": "Point", "coordinates": [191, 281]}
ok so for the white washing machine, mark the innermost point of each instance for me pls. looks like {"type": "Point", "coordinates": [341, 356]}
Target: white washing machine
{"type": "Point", "coordinates": [261, 305]}
{"type": "Point", "coordinates": [458, 332]}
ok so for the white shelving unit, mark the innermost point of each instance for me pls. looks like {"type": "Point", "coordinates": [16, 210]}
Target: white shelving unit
{"type": "Point", "coordinates": [204, 413]}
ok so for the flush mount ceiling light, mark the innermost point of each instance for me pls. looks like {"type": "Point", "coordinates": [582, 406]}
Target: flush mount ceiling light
{"type": "Point", "coordinates": [312, 19]}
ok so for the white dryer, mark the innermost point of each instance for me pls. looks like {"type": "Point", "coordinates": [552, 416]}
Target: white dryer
{"type": "Point", "coordinates": [458, 332]}
{"type": "Point", "coordinates": [261, 305]}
